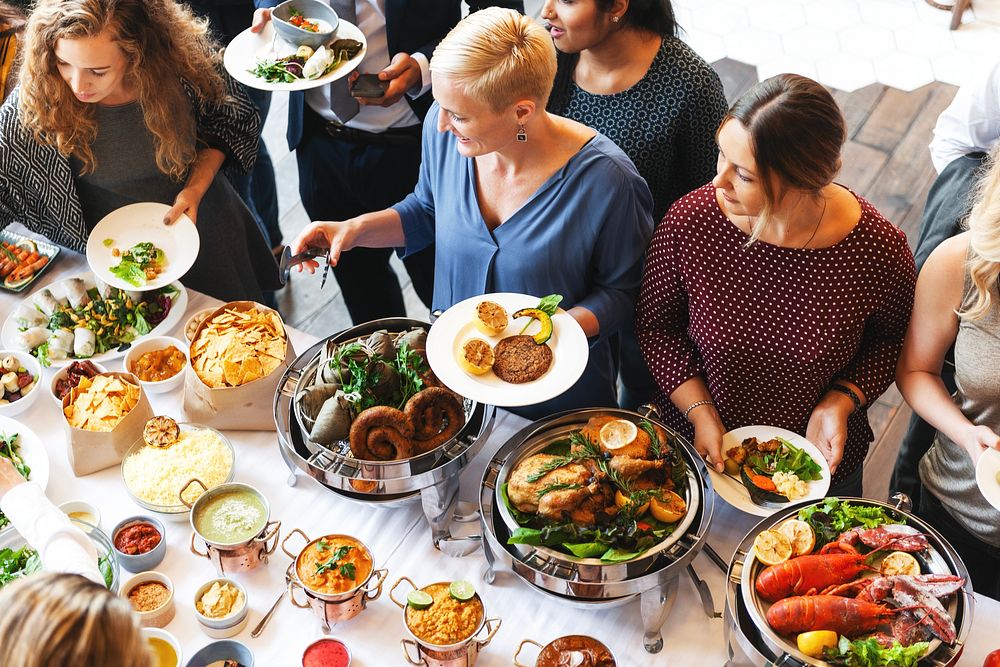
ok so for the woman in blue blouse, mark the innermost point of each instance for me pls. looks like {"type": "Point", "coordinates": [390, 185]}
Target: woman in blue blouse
{"type": "Point", "coordinates": [515, 198]}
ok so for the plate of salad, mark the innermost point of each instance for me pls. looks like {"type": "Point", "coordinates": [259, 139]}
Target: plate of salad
{"type": "Point", "coordinates": [20, 444]}
{"type": "Point", "coordinates": [768, 467]}
{"type": "Point", "coordinates": [131, 248]}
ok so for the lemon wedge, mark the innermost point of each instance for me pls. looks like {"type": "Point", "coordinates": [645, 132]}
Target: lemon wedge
{"type": "Point", "coordinates": [772, 547]}
{"type": "Point", "coordinates": [617, 434]}
{"type": "Point", "coordinates": [899, 562]}
{"type": "Point", "coordinates": [801, 536]}
{"type": "Point", "coordinates": [812, 643]}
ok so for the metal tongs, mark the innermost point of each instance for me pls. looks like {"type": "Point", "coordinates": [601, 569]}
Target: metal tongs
{"type": "Point", "coordinates": [288, 260]}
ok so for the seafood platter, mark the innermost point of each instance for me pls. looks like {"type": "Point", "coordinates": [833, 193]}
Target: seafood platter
{"type": "Point", "coordinates": [598, 508]}
{"type": "Point", "coordinates": [821, 583]}
{"type": "Point", "coordinates": [362, 413]}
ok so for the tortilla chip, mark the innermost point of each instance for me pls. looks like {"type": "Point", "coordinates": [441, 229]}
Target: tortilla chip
{"type": "Point", "coordinates": [238, 346]}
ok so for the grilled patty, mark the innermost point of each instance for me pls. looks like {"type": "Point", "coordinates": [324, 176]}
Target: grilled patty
{"type": "Point", "coordinates": [520, 359]}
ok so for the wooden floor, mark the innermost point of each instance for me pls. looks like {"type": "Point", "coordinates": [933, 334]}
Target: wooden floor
{"type": "Point", "coordinates": [885, 160]}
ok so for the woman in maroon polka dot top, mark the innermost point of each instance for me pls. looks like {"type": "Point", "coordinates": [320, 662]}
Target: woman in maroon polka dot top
{"type": "Point", "coordinates": [773, 295]}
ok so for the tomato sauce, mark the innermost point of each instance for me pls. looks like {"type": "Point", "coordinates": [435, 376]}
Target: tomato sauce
{"type": "Point", "coordinates": [327, 653]}
{"type": "Point", "coordinates": [137, 538]}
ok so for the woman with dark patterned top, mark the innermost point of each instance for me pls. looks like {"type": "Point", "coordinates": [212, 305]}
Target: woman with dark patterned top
{"type": "Point", "coordinates": [124, 102]}
{"type": "Point", "coordinates": [773, 295]}
{"type": "Point", "coordinates": [623, 72]}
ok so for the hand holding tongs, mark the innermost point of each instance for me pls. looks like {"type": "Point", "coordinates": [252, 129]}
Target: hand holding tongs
{"type": "Point", "coordinates": [288, 260]}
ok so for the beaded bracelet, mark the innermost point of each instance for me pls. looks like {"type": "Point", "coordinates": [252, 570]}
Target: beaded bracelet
{"type": "Point", "coordinates": [696, 404]}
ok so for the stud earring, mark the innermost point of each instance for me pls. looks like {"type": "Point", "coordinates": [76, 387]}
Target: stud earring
{"type": "Point", "coordinates": [521, 134]}
{"type": "Point", "coordinates": [616, 19]}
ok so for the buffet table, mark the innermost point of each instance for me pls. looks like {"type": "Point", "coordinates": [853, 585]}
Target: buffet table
{"type": "Point", "coordinates": [400, 541]}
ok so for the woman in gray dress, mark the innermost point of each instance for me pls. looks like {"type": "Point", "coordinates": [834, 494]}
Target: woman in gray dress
{"type": "Point", "coordinates": [122, 102]}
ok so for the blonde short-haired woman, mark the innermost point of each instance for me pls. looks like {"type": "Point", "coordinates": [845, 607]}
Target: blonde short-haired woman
{"type": "Point", "coordinates": [516, 199]}
{"type": "Point", "coordinates": [957, 303]}
{"type": "Point", "coordinates": [65, 619]}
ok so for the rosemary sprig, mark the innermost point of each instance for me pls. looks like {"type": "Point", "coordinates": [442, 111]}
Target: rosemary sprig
{"type": "Point", "coordinates": [558, 487]}
{"type": "Point", "coordinates": [585, 450]}
{"type": "Point", "coordinates": [655, 447]}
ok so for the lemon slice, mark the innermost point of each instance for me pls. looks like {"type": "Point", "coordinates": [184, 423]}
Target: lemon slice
{"type": "Point", "coordinates": [617, 434]}
{"type": "Point", "coordinates": [772, 547]}
{"type": "Point", "coordinates": [899, 562]}
{"type": "Point", "coordinates": [812, 643]}
{"type": "Point", "coordinates": [623, 501]}
{"type": "Point", "coordinates": [801, 536]}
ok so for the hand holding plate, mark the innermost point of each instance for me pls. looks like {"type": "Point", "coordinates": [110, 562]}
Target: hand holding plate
{"type": "Point", "coordinates": [827, 427]}
{"type": "Point", "coordinates": [978, 439]}
{"type": "Point", "coordinates": [260, 19]}
{"type": "Point", "coordinates": [185, 202]}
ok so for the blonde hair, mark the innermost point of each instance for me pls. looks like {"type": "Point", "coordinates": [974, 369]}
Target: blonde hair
{"type": "Point", "coordinates": [163, 43]}
{"type": "Point", "coordinates": [498, 56]}
{"type": "Point", "coordinates": [983, 224]}
{"type": "Point", "coordinates": [65, 619]}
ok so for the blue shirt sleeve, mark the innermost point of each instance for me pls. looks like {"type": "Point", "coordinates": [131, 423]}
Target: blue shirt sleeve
{"type": "Point", "coordinates": [417, 209]}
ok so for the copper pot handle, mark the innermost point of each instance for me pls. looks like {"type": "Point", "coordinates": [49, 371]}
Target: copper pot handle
{"type": "Point", "coordinates": [269, 534]}
{"type": "Point", "coordinates": [372, 593]}
{"type": "Point", "coordinates": [195, 551]}
{"type": "Point", "coordinates": [180, 494]}
{"type": "Point", "coordinates": [401, 605]}
{"type": "Point", "coordinates": [288, 537]}
{"type": "Point", "coordinates": [520, 647]}
{"type": "Point", "coordinates": [291, 595]}
{"type": "Point", "coordinates": [492, 630]}
{"type": "Point", "coordinates": [405, 644]}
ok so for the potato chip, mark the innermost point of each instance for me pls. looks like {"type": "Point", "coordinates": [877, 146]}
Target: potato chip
{"type": "Point", "coordinates": [100, 403]}
{"type": "Point", "coordinates": [237, 347]}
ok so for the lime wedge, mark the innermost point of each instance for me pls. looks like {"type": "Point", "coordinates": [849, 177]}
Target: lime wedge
{"type": "Point", "coordinates": [462, 590]}
{"type": "Point", "coordinates": [419, 599]}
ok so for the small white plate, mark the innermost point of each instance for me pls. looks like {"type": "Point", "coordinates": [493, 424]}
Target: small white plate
{"type": "Point", "coordinates": [732, 490]}
{"type": "Point", "coordinates": [31, 450]}
{"type": "Point", "coordinates": [137, 223]}
{"type": "Point", "coordinates": [987, 470]}
{"type": "Point", "coordinates": [247, 48]}
{"type": "Point", "coordinates": [447, 335]}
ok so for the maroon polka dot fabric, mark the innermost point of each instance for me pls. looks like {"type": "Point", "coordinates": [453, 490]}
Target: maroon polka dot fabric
{"type": "Point", "coordinates": [770, 328]}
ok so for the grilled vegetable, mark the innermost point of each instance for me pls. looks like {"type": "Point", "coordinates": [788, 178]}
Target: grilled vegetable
{"type": "Point", "coordinates": [761, 488]}
{"type": "Point", "coordinates": [543, 318]}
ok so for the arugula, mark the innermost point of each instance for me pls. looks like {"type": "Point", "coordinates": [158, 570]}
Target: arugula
{"type": "Point", "coordinates": [869, 653]}
{"type": "Point", "coordinates": [833, 516]}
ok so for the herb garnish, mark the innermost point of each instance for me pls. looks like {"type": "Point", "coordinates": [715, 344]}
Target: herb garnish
{"type": "Point", "coordinates": [558, 487]}
{"type": "Point", "coordinates": [346, 569]}
{"type": "Point", "coordinates": [586, 450]}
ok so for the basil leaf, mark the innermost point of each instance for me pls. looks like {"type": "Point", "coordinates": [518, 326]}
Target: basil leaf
{"type": "Point", "coordinates": [550, 303]}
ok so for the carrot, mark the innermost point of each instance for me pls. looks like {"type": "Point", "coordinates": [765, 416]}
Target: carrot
{"type": "Point", "coordinates": [764, 483]}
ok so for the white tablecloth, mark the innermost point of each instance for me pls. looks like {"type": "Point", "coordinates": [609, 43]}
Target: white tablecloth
{"type": "Point", "coordinates": [400, 540]}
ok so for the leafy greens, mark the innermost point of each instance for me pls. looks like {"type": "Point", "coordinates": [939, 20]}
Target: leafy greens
{"type": "Point", "coordinates": [869, 653]}
{"type": "Point", "coordinates": [137, 260]}
{"type": "Point", "coordinates": [833, 516]}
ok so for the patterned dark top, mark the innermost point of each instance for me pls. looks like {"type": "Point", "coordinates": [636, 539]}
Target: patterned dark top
{"type": "Point", "coordinates": [770, 328]}
{"type": "Point", "coordinates": [665, 123]}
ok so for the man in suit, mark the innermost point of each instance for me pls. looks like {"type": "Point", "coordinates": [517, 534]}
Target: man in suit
{"type": "Point", "coordinates": [359, 155]}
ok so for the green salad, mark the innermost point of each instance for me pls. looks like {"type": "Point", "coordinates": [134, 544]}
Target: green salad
{"type": "Point", "coordinates": [869, 653]}
{"type": "Point", "coordinates": [833, 516]}
{"type": "Point", "coordinates": [20, 563]}
{"type": "Point", "coordinates": [140, 264]}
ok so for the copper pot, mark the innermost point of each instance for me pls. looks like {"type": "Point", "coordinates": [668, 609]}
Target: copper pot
{"type": "Point", "coordinates": [553, 650]}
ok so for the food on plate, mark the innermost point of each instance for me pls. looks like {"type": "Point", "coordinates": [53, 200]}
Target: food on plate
{"type": "Point", "coordinates": [10, 449]}
{"type": "Point", "coordinates": [100, 403]}
{"type": "Point", "coordinates": [333, 564]}
{"type": "Point", "coordinates": [575, 650]}
{"type": "Point", "coordinates": [161, 432]}
{"type": "Point", "coordinates": [137, 538]}
{"type": "Point", "coordinates": [491, 318]}
{"type": "Point", "coordinates": [582, 498]}
{"type": "Point", "coordinates": [800, 534]}
{"type": "Point", "coordinates": [302, 67]}
{"type": "Point", "coordinates": [158, 365]}
{"type": "Point", "coordinates": [156, 475]}
{"type": "Point", "coordinates": [519, 359]}
{"type": "Point", "coordinates": [236, 347]}
{"type": "Point", "coordinates": [20, 262]}
{"type": "Point", "coordinates": [899, 562]}
{"type": "Point", "coordinates": [773, 471]}
{"type": "Point", "coordinates": [816, 642]}
{"type": "Point", "coordinates": [311, 25]}
{"type": "Point", "coordinates": [163, 652]}
{"type": "Point", "coordinates": [25, 561]}
{"type": "Point", "coordinates": [15, 380]}
{"type": "Point", "coordinates": [220, 600]}
{"type": "Point", "coordinates": [447, 620]}
{"type": "Point", "coordinates": [148, 596]}
{"type": "Point", "coordinates": [230, 517]}
{"type": "Point", "coordinates": [140, 264]}
{"type": "Point", "coordinates": [772, 547]}
{"type": "Point", "coordinates": [543, 318]}
{"type": "Point", "coordinates": [476, 356]}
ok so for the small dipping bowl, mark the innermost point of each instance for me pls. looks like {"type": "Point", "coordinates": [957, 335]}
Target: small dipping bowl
{"type": "Point", "coordinates": [162, 615]}
{"type": "Point", "coordinates": [222, 650]}
{"type": "Point", "coordinates": [81, 510]}
{"type": "Point", "coordinates": [164, 646]}
{"type": "Point", "coordinates": [326, 652]}
{"type": "Point", "coordinates": [63, 374]}
{"type": "Point", "coordinates": [144, 561]}
{"type": "Point", "coordinates": [226, 626]}
{"type": "Point", "coordinates": [310, 9]}
{"type": "Point", "coordinates": [151, 344]}
{"type": "Point", "coordinates": [31, 365]}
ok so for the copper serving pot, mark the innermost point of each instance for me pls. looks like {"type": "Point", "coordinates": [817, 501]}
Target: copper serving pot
{"type": "Point", "coordinates": [554, 651]}
{"type": "Point", "coordinates": [459, 654]}
{"type": "Point", "coordinates": [332, 607]}
{"type": "Point", "coordinates": [233, 557]}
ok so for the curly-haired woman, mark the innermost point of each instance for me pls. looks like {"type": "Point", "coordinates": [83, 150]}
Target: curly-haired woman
{"type": "Point", "coordinates": [123, 101]}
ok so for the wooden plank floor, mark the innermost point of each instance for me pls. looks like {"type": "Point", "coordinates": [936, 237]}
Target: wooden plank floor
{"type": "Point", "coordinates": [885, 160]}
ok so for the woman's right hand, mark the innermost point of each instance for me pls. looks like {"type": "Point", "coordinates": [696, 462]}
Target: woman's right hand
{"type": "Point", "coordinates": [978, 439]}
{"type": "Point", "coordinates": [708, 432]}
{"type": "Point", "coordinates": [9, 476]}
{"type": "Point", "coordinates": [260, 19]}
{"type": "Point", "coordinates": [337, 236]}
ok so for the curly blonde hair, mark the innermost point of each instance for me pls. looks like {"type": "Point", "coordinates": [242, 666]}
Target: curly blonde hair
{"type": "Point", "coordinates": [166, 47]}
{"type": "Point", "coordinates": [983, 224]}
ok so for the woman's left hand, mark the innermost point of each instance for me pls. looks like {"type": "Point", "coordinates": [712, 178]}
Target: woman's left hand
{"type": "Point", "coordinates": [827, 428]}
{"type": "Point", "coordinates": [187, 201]}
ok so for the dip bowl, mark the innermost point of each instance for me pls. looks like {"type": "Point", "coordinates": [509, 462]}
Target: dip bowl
{"type": "Point", "coordinates": [222, 650]}
{"type": "Point", "coordinates": [162, 644]}
{"type": "Point", "coordinates": [162, 615]}
{"type": "Point", "coordinates": [225, 626]}
{"type": "Point", "coordinates": [461, 653]}
{"type": "Point", "coordinates": [312, 10]}
{"type": "Point", "coordinates": [62, 374]}
{"type": "Point", "coordinates": [232, 547]}
{"type": "Point", "coordinates": [151, 344]}
{"type": "Point", "coordinates": [82, 511]}
{"type": "Point", "coordinates": [576, 649]}
{"type": "Point", "coordinates": [147, 560]}
{"type": "Point", "coordinates": [332, 606]}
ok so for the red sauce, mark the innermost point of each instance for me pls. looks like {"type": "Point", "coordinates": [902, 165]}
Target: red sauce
{"type": "Point", "coordinates": [137, 538]}
{"type": "Point", "coordinates": [326, 653]}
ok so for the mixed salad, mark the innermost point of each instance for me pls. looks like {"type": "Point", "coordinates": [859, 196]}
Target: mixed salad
{"type": "Point", "coordinates": [773, 471]}
{"type": "Point", "coordinates": [20, 563]}
{"type": "Point", "coordinates": [306, 64]}
{"type": "Point", "coordinates": [139, 264]}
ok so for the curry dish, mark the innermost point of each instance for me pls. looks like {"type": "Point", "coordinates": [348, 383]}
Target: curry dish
{"type": "Point", "coordinates": [334, 564]}
{"type": "Point", "coordinates": [446, 621]}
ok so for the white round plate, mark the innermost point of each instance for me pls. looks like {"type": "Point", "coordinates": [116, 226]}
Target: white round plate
{"type": "Point", "coordinates": [31, 450]}
{"type": "Point", "coordinates": [137, 223]}
{"type": "Point", "coordinates": [247, 48]}
{"type": "Point", "coordinates": [732, 490]}
{"type": "Point", "coordinates": [8, 334]}
{"type": "Point", "coordinates": [447, 335]}
{"type": "Point", "coordinates": [987, 470]}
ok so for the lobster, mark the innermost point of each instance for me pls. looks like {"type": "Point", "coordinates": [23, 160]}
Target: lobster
{"type": "Point", "coordinates": [895, 536]}
{"type": "Point", "coordinates": [845, 616]}
{"type": "Point", "coordinates": [805, 574]}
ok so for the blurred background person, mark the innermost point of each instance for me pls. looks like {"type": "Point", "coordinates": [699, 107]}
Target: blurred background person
{"type": "Point", "coordinates": [12, 19]}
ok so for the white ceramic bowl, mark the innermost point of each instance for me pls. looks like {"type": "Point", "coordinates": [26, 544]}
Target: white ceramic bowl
{"type": "Point", "coordinates": [162, 615]}
{"type": "Point", "coordinates": [227, 626]}
{"type": "Point", "coordinates": [30, 364]}
{"type": "Point", "coordinates": [63, 373]}
{"type": "Point", "coordinates": [156, 343]}
{"type": "Point", "coordinates": [82, 507]}
{"type": "Point", "coordinates": [170, 639]}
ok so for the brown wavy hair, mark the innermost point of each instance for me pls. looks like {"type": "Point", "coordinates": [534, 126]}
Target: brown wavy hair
{"type": "Point", "coordinates": [166, 47]}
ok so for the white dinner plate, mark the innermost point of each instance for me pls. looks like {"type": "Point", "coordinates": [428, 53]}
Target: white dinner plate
{"type": "Point", "coordinates": [987, 469]}
{"type": "Point", "coordinates": [8, 334]}
{"type": "Point", "coordinates": [732, 490]}
{"type": "Point", "coordinates": [136, 223]}
{"type": "Point", "coordinates": [31, 450]}
{"type": "Point", "coordinates": [447, 335]}
{"type": "Point", "coordinates": [247, 48]}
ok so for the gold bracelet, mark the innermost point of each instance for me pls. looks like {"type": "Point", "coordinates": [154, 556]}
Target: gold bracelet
{"type": "Point", "coordinates": [696, 404]}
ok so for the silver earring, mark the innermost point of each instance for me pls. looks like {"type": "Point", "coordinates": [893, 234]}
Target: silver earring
{"type": "Point", "coordinates": [521, 134]}
{"type": "Point", "coordinates": [616, 19]}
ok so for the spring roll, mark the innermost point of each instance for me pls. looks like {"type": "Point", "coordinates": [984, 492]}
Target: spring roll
{"type": "Point", "coordinates": [46, 302]}
{"type": "Point", "coordinates": [28, 316]}
{"type": "Point", "coordinates": [84, 343]}
{"type": "Point", "coordinates": [76, 292]}
{"type": "Point", "coordinates": [60, 344]}
{"type": "Point", "coordinates": [31, 338]}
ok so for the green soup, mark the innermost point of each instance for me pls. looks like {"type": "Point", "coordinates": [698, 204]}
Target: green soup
{"type": "Point", "coordinates": [230, 517]}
